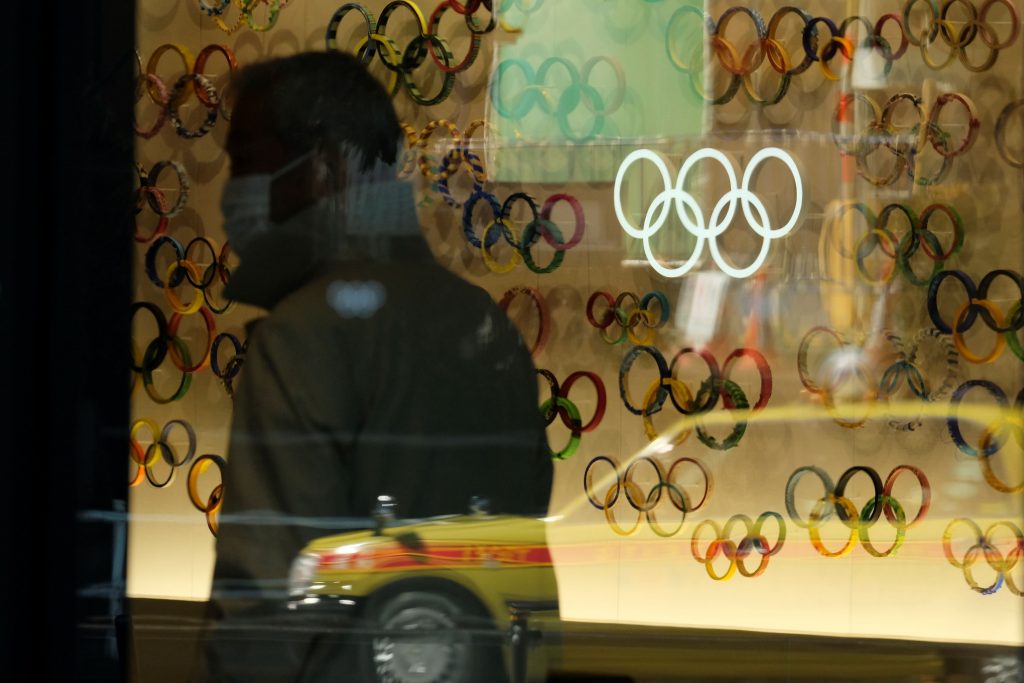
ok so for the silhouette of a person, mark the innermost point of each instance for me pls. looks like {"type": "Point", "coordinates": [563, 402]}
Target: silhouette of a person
{"type": "Point", "coordinates": [375, 372]}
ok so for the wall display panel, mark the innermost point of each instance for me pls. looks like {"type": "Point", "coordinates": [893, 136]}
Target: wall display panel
{"type": "Point", "coordinates": [767, 260]}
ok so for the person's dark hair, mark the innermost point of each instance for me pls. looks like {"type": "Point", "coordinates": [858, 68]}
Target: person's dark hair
{"type": "Point", "coordinates": [321, 99]}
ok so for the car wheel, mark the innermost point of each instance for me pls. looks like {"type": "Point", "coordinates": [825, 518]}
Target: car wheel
{"type": "Point", "coordinates": [437, 649]}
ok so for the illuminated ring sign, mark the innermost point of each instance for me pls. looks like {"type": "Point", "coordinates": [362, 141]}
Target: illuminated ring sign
{"type": "Point", "coordinates": [692, 217]}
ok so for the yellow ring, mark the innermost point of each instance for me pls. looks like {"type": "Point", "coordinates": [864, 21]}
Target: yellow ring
{"type": "Point", "coordinates": [389, 47]}
{"type": "Point", "coordinates": [947, 539]}
{"type": "Point", "coordinates": [682, 395]}
{"type": "Point", "coordinates": [610, 516]}
{"type": "Point", "coordinates": [815, 534]}
{"type": "Point", "coordinates": [961, 345]}
{"type": "Point", "coordinates": [695, 538]}
{"type": "Point", "coordinates": [490, 261]}
{"type": "Point", "coordinates": [154, 60]}
{"type": "Point", "coordinates": [845, 46]}
{"type": "Point", "coordinates": [198, 467]}
{"type": "Point", "coordinates": [648, 322]}
{"type": "Point", "coordinates": [929, 62]}
{"type": "Point", "coordinates": [214, 504]}
{"type": "Point", "coordinates": [709, 560]}
{"type": "Point", "coordinates": [830, 405]}
{"type": "Point", "coordinates": [454, 156]}
{"type": "Point", "coordinates": [986, 465]}
{"type": "Point", "coordinates": [138, 425]}
{"type": "Point", "coordinates": [172, 297]}
{"type": "Point", "coordinates": [223, 26]}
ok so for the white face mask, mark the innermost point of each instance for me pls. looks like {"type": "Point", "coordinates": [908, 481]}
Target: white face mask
{"type": "Point", "coordinates": [245, 204]}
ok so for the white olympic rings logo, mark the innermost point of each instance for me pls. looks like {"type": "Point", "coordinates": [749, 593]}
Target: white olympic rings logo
{"type": "Point", "coordinates": [692, 217]}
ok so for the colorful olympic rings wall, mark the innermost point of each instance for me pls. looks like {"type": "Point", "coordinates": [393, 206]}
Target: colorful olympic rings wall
{"type": "Point", "coordinates": [217, 10]}
{"type": "Point", "coordinates": [645, 504]}
{"type": "Point", "coordinates": [1002, 562]}
{"type": "Point", "coordinates": [193, 81]}
{"type": "Point", "coordinates": [699, 401]}
{"type": "Point", "coordinates": [539, 226]}
{"type": "Point", "coordinates": [879, 130]}
{"type": "Point", "coordinates": [628, 320]}
{"type": "Point", "coordinates": [823, 39]}
{"type": "Point", "coordinates": [403, 62]}
{"type": "Point", "coordinates": [898, 249]}
{"type": "Point", "coordinates": [858, 521]}
{"type": "Point", "coordinates": [559, 405]}
{"type": "Point", "coordinates": [161, 449]}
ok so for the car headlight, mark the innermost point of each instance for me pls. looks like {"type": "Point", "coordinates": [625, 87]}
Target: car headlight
{"type": "Point", "coordinates": [300, 576]}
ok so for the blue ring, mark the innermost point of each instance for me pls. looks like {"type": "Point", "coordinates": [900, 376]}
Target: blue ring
{"type": "Point", "coordinates": [467, 217]}
{"type": "Point", "coordinates": [627, 363]}
{"type": "Point", "coordinates": [830, 50]}
{"type": "Point", "coordinates": [215, 364]}
{"type": "Point", "coordinates": [933, 300]}
{"type": "Point", "coordinates": [953, 424]}
{"type": "Point", "coordinates": [618, 481]}
{"type": "Point", "coordinates": [179, 274]}
{"type": "Point", "coordinates": [662, 299]}
{"type": "Point", "coordinates": [794, 481]}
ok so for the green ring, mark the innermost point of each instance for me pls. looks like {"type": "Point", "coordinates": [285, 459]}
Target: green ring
{"type": "Point", "coordinates": [1011, 335]}
{"type": "Point", "coordinates": [574, 416]}
{"type": "Point", "coordinates": [527, 98]}
{"type": "Point", "coordinates": [731, 441]}
{"type": "Point", "coordinates": [562, 115]}
{"type": "Point", "coordinates": [903, 259]}
{"type": "Point", "coordinates": [410, 85]}
{"type": "Point", "coordinates": [147, 371]}
{"type": "Point", "coordinates": [529, 238]}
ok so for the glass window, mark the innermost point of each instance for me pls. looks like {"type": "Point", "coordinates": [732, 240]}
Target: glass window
{"type": "Point", "coordinates": [650, 339]}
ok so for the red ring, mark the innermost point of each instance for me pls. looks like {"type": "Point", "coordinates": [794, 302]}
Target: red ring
{"type": "Point", "coordinates": [161, 225]}
{"type": "Point", "coordinates": [707, 480]}
{"type": "Point", "coordinates": [763, 369]}
{"type": "Point", "coordinates": [470, 7]}
{"type": "Point", "coordinates": [433, 24]}
{"type": "Point", "coordinates": [601, 399]}
{"type": "Point", "coordinates": [542, 311]}
{"type": "Point", "coordinates": [609, 314]}
{"type": "Point", "coordinates": [577, 209]}
{"type": "Point", "coordinates": [199, 67]}
{"type": "Point", "coordinates": [211, 332]}
{"type": "Point", "coordinates": [904, 41]}
{"type": "Point", "coordinates": [926, 493]}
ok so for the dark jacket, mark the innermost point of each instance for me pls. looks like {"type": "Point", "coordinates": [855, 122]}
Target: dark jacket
{"type": "Point", "coordinates": [368, 377]}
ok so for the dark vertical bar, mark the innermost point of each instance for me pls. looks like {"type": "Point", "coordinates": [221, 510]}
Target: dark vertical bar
{"type": "Point", "coordinates": [64, 289]}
